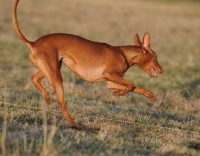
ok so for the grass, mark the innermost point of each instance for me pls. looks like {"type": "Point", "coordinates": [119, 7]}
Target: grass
{"type": "Point", "coordinates": [129, 125]}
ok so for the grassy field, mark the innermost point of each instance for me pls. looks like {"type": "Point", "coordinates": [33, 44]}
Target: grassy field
{"type": "Point", "coordinates": [129, 125]}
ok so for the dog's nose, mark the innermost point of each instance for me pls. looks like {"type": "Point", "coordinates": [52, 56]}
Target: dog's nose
{"type": "Point", "coordinates": [161, 71]}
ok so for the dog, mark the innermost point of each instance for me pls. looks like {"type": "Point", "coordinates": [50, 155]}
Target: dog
{"type": "Point", "coordinates": [92, 61]}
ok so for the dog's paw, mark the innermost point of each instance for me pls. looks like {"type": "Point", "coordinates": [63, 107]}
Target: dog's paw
{"type": "Point", "coordinates": [77, 127]}
{"type": "Point", "coordinates": [115, 93]}
{"type": "Point", "coordinates": [47, 100]}
{"type": "Point", "coordinates": [118, 93]}
{"type": "Point", "coordinates": [152, 97]}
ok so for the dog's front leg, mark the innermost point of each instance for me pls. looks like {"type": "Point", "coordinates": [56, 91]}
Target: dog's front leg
{"type": "Point", "coordinates": [119, 84]}
{"type": "Point", "coordinates": [146, 93]}
{"type": "Point", "coordinates": [120, 88]}
{"type": "Point", "coordinates": [117, 87]}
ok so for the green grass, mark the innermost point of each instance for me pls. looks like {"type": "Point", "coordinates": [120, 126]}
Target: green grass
{"type": "Point", "coordinates": [129, 125]}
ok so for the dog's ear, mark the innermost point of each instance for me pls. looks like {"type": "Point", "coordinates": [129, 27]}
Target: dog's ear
{"type": "Point", "coordinates": [137, 41]}
{"type": "Point", "coordinates": [146, 42]}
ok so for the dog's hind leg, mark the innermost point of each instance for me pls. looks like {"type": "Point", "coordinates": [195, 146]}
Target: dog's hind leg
{"type": "Point", "coordinates": [36, 79]}
{"type": "Point", "coordinates": [51, 69]}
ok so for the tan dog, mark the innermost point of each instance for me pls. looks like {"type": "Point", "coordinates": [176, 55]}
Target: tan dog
{"type": "Point", "coordinates": [92, 61]}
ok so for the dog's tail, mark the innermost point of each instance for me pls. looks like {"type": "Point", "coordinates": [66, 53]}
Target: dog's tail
{"type": "Point", "coordinates": [16, 27]}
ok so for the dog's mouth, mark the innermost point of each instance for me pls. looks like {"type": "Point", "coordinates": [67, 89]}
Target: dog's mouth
{"type": "Point", "coordinates": [153, 71]}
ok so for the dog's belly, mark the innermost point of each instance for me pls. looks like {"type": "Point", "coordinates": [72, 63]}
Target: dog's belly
{"type": "Point", "coordinates": [90, 74]}
{"type": "Point", "coordinates": [87, 71]}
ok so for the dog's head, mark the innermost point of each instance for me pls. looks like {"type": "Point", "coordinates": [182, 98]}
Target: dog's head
{"type": "Point", "coordinates": [148, 60]}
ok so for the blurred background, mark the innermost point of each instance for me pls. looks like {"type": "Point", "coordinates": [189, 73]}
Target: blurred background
{"type": "Point", "coordinates": [172, 25]}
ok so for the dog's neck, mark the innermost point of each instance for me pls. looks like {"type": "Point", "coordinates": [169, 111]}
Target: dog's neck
{"type": "Point", "coordinates": [132, 54]}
